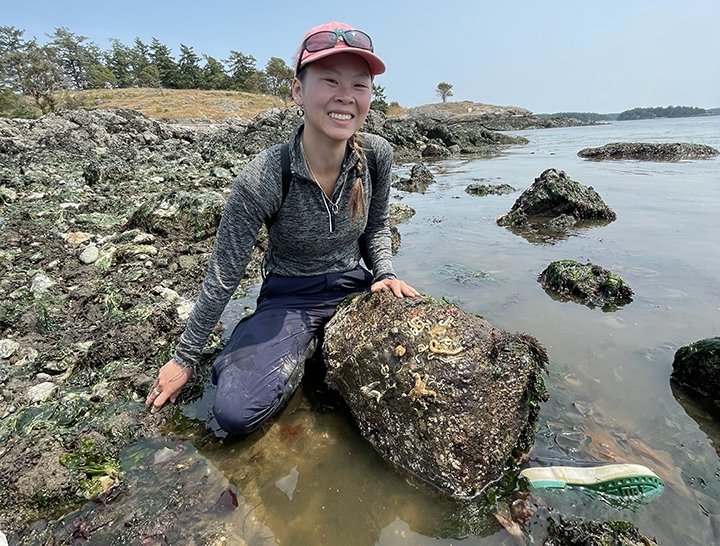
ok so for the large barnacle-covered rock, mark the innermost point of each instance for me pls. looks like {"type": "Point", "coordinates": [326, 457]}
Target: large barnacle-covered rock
{"type": "Point", "coordinates": [439, 392]}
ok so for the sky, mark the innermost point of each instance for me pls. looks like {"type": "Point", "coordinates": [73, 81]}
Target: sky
{"type": "Point", "coordinates": [547, 56]}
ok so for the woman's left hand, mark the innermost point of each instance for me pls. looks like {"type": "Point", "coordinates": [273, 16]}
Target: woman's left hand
{"type": "Point", "coordinates": [396, 286]}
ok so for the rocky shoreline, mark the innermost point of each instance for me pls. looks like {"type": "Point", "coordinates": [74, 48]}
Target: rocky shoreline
{"type": "Point", "coordinates": [489, 116]}
{"type": "Point", "coordinates": [107, 220]}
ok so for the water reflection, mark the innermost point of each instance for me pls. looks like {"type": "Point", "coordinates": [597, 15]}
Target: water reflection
{"type": "Point", "coordinates": [313, 480]}
{"type": "Point", "coordinates": [540, 233]}
{"type": "Point", "coordinates": [703, 411]}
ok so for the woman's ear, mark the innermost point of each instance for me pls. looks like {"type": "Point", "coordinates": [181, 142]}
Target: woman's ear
{"type": "Point", "coordinates": [296, 88]}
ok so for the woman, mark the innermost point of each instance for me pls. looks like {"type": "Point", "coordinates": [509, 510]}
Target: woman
{"type": "Point", "coordinates": [332, 213]}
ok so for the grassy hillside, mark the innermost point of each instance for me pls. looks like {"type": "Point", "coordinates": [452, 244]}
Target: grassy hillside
{"type": "Point", "coordinates": [177, 104]}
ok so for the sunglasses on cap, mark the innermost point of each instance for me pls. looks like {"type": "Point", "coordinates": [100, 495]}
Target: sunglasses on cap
{"type": "Point", "coordinates": [327, 39]}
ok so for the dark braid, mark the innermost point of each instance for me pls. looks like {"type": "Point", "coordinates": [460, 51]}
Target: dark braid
{"type": "Point", "coordinates": [356, 206]}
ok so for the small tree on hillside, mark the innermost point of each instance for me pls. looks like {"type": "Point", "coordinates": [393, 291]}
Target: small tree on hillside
{"type": "Point", "coordinates": [241, 68]}
{"type": "Point", "coordinates": [42, 75]}
{"type": "Point", "coordinates": [279, 75]}
{"type": "Point", "coordinates": [75, 56]}
{"type": "Point", "coordinates": [379, 102]}
{"type": "Point", "coordinates": [166, 65]}
{"type": "Point", "coordinates": [190, 75]}
{"type": "Point", "coordinates": [444, 90]}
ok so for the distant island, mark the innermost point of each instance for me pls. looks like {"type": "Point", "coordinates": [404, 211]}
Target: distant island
{"type": "Point", "coordinates": [587, 117]}
{"type": "Point", "coordinates": [637, 113]}
{"type": "Point", "coordinates": [660, 112]}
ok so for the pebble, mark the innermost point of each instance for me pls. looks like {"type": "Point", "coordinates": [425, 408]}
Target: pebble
{"type": "Point", "coordinates": [41, 392]}
{"type": "Point", "coordinates": [100, 391]}
{"type": "Point", "coordinates": [144, 239]}
{"type": "Point", "coordinates": [41, 283]}
{"type": "Point", "coordinates": [184, 310]}
{"type": "Point", "coordinates": [8, 347]}
{"type": "Point", "coordinates": [89, 255]}
{"type": "Point", "coordinates": [221, 172]}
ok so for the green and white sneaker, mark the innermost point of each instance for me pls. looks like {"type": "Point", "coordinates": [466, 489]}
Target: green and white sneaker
{"type": "Point", "coordinates": [626, 481]}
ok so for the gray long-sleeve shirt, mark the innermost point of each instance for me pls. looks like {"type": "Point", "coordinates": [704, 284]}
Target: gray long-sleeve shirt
{"type": "Point", "coordinates": [306, 237]}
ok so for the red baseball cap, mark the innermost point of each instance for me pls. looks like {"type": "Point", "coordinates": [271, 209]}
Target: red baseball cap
{"type": "Point", "coordinates": [304, 57]}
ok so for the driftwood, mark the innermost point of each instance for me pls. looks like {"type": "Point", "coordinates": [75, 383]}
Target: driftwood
{"type": "Point", "coordinates": [437, 391]}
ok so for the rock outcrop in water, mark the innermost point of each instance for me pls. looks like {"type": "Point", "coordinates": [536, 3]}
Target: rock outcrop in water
{"type": "Point", "coordinates": [489, 189]}
{"type": "Point", "coordinates": [554, 195]}
{"type": "Point", "coordinates": [440, 393]}
{"type": "Point", "coordinates": [588, 284]}
{"type": "Point", "coordinates": [697, 366]}
{"type": "Point", "coordinates": [488, 116]}
{"type": "Point", "coordinates": [645, 151]}
{"type": "Point", "coordinates": [419, 181]}
{"type": "Point", "coordinates": [417, 137]}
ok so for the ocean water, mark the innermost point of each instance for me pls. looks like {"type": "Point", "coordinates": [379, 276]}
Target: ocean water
{"type": "Point", "coordinates": [311, 479]}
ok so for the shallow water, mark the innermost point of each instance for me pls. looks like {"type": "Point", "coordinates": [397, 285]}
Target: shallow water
{"type": "Point", "coordinates": [313, 480]}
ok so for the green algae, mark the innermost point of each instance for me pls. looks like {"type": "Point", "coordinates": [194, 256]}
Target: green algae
{"type": "Point", "coordinates": [100, 470]}
{"type": "Point", "coordinates": [588, 284]}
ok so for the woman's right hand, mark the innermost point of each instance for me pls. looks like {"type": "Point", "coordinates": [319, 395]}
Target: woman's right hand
{"type": "Point", "coordinates": [170, 381]}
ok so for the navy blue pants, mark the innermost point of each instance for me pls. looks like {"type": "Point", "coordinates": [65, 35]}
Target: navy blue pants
{"type": "Point", "coordinates": [264, 360]}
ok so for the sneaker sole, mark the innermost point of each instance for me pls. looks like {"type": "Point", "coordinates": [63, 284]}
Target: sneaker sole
{"type": "Point", "coordinates": [618, 480]}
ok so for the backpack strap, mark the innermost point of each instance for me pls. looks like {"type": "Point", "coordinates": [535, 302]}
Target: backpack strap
{"type": "Point", "coordinates": [372, 165]}
{"type": "Point", "coordinates": [286, 174]}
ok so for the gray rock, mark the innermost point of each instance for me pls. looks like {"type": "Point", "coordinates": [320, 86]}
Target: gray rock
{"type": "Point", "coordinates": [191, 213]}
{"type": "Point", "coordinates": [37, 394]}
{"type": "Point", "coordinates": [420, 179]}
{"type": "Point", "coordinates": [220, 172]}
{"type": "Point", "coordinates": [489, 189]}
{"type": "Point", "coordinates": [41, 283]}
{"type": "Point", "coordinates": [144, 239]}
{"type": "Point", "coordinates": [89, 255]}
{"type": "Point", "coordinates": [111, 170]}
{"type": "Point", "coordinates": [436, 150]}
{"type": "Point", "coordinates": [8, 347]}
{"type": "Point", "coordinates": [697, 366]}
{"type": "Point", "coordinates": [555, 194]}
{"type": "Point", "coordinates": [438, 392]}
{"type": "Point", "coordinates": [562, 222]}
{"type": "Point", "coordinates": [399, 213]}
{"type": "Point", "coordinates": [588, 284]}
{"type": "Point", "coordinates": [645, 151]}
